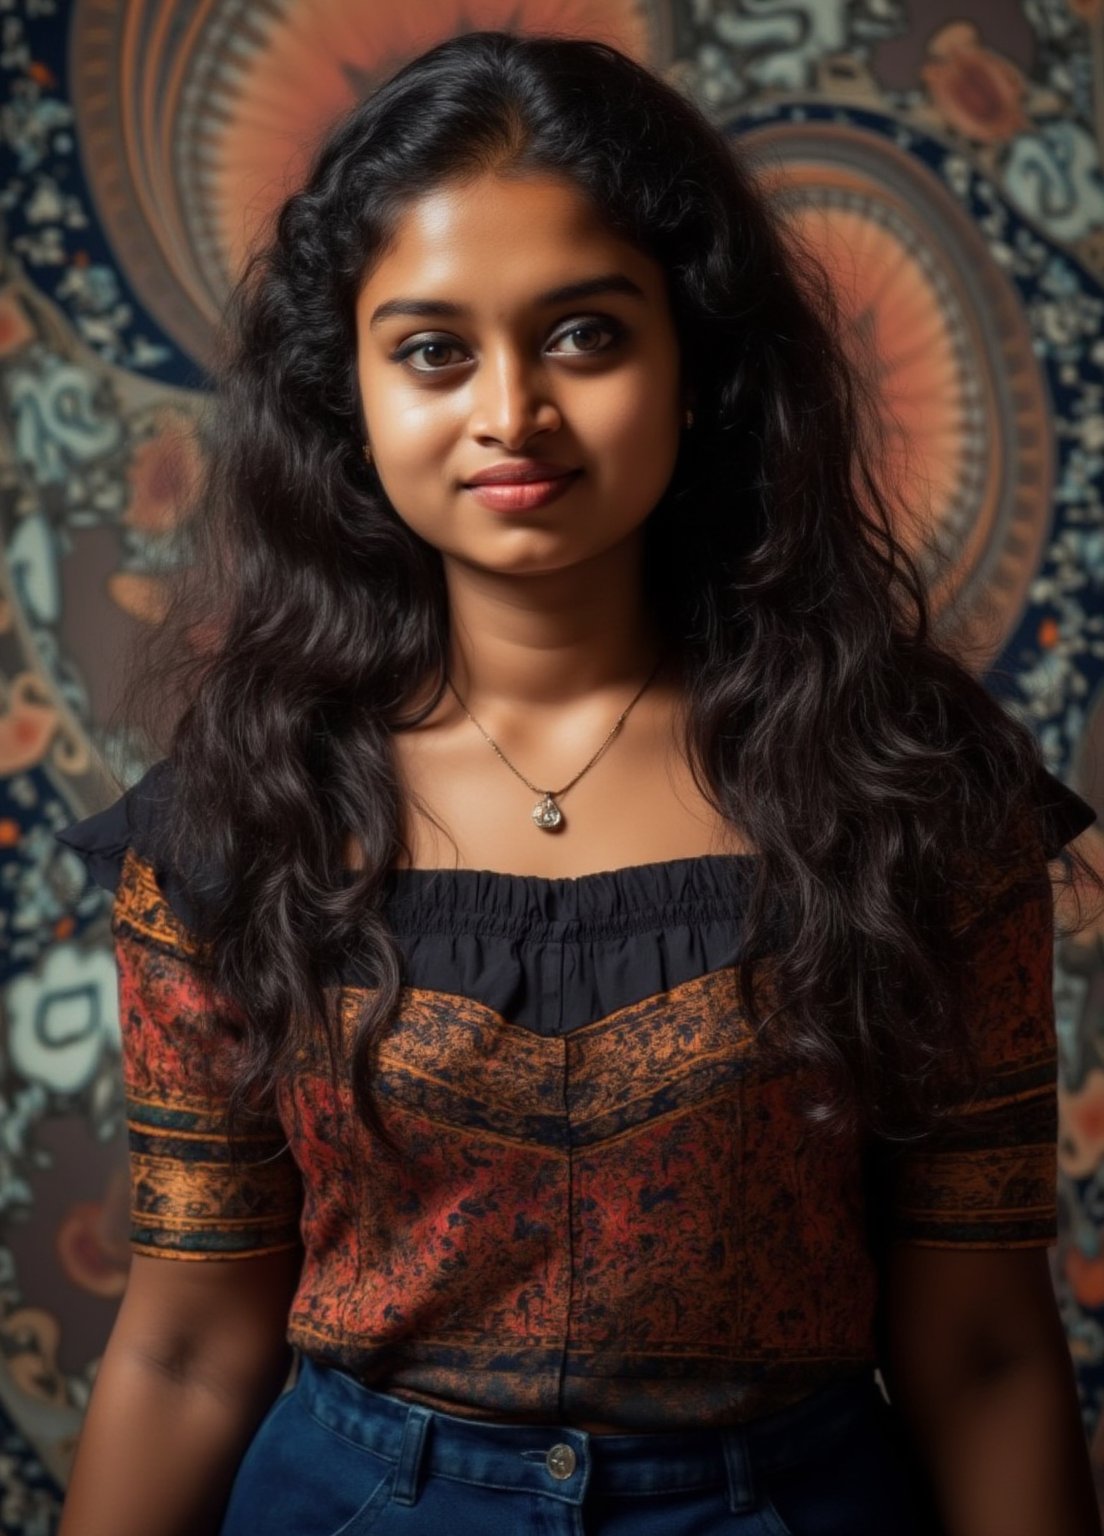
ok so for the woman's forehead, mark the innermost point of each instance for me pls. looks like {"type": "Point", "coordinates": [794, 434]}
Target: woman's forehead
{"type": "Point", "coordinates": [523, 236]}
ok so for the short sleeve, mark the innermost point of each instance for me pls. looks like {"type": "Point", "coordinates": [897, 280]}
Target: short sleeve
{"type": "Point", "coordinates": [1065, 813]}
{"type": "Point", "coordinates": [180, 1055]}
{"type": "Point", "coordinates": [988, 1178]}
{"type": "Point", "coordinates": [135, 820]}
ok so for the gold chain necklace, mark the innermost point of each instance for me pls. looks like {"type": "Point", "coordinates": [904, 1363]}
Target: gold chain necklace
{"type": "Point", "coordinates": [546, 813]}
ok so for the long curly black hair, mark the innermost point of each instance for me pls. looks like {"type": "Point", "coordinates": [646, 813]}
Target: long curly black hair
{"type": "Point", "coordinates": [860, 756]}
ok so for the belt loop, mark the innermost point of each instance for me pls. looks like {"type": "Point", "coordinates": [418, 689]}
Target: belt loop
{"type": "Point", "coordinates": [405, 1489]}
{"type": "Point", "coordinates": [741, 1474]}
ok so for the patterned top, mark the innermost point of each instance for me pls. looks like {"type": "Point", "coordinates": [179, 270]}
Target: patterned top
{"type": "Point", "coordinates": [609, 1208]}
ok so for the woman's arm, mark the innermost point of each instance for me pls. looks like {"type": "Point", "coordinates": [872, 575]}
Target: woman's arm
{"type": "Point", "coordinates": [197, 1355]}
{"type": "Point", "coordinates": [980, 1369]}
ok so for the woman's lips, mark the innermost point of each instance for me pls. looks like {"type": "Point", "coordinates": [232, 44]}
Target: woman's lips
{"type": "Point", "coordinates": [522, 495]}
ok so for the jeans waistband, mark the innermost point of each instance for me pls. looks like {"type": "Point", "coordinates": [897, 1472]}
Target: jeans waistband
{"type": "Point", "coordinates": [564, 1462]}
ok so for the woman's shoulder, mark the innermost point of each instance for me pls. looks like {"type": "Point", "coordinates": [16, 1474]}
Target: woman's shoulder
{"type": "Point", "coordinates": [129, 838]}
{"type": "Point", "coordinates": [134, 819]}
{"type": "Point", "coordinates": [985, 879]}
{"type": "Point", "coordinates": [1065, 813]}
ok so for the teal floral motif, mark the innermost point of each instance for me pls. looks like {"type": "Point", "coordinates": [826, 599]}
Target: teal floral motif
{"type": "Point", "coordinates": [62, 1019]}
{"type": "Point", "coordinates": [59, 423]}
{"type": "Point", "coordinates": [32, 563]}
{"type": "Point", "coordinates": [1053, 176]}
{"type": "Point", "coordinates": [752, 46]}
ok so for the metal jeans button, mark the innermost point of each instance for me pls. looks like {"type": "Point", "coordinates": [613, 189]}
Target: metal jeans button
{"type": "Point", "coordinates": [560, 1461]}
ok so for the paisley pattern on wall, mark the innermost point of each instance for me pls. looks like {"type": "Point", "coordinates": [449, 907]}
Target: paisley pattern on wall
{"type": "Point", "coordinates": [945, 159]}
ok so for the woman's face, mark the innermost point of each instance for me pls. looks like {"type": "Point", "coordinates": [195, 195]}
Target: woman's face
{"type": "Point", "coordinates": [468, 359]}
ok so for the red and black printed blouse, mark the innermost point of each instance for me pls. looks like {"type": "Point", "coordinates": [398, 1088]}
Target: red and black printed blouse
{"type": "Point", "coordinates": [608, 1208]}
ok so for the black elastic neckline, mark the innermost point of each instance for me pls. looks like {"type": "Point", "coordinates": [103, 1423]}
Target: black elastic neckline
{"type": "Point", "coordinates": [633, 897]}
{"type": "Point", "coordinates": [625, 871]}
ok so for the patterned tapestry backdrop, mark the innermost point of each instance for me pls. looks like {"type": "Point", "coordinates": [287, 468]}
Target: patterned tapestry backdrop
{"type": "Point", "coordinates": [946, 158]}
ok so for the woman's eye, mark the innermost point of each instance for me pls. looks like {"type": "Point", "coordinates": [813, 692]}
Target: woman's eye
{"type": "Point", "coordinates": [425, 346]}
{"type": "Point", "coordinates": [440, 347]}
{"type": "Point", "coordinates": [591, 327]}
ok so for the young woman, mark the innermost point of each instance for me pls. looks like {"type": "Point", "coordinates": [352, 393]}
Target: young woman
{"type": "Point", "coordinates": [585, 953]}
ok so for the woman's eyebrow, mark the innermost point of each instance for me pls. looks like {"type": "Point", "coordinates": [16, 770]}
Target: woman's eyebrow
{"type": "Point", "coordinates": [608, 282]}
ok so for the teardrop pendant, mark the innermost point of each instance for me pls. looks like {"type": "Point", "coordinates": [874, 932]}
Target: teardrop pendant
{"type": "Point", "coordinates": [547, 814]}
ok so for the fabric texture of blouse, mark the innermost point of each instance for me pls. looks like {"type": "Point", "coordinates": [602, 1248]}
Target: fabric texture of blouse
{"type": "Point", "coordinates": [609, 1207]}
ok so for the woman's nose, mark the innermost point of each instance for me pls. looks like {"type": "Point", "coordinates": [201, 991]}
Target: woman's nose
{"type": "Point", "coordinates": [512, 401]}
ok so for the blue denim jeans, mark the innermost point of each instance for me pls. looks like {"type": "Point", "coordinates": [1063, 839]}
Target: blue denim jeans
{"type": "Point", "coordinates": [335, 1458]}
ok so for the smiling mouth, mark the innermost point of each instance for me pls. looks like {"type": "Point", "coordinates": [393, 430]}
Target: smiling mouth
{"type": "Point", "coordinates": [521, 495]}
{"type": "Point", "coordinates": [524, 477]}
